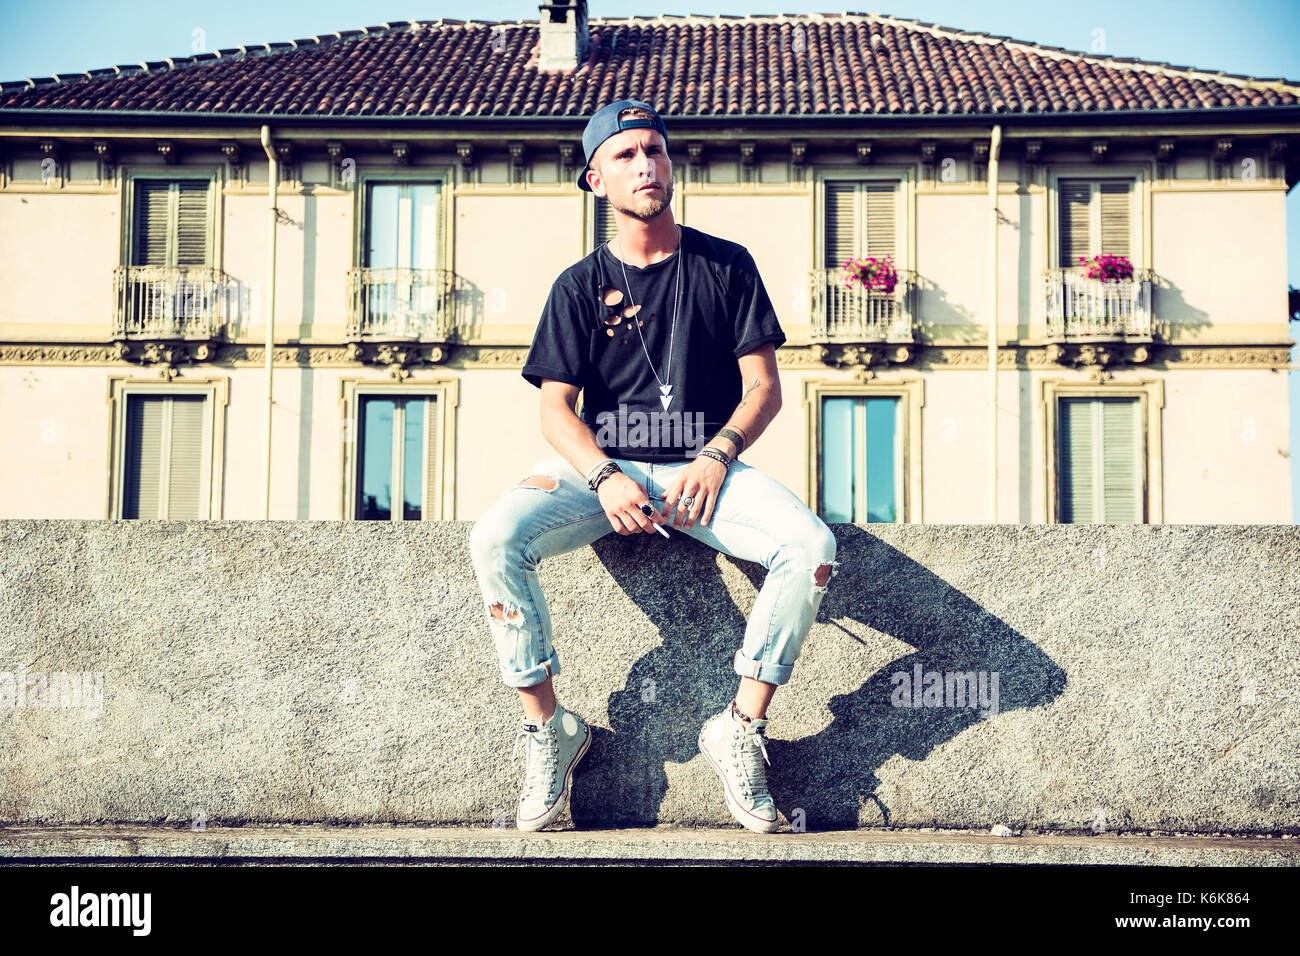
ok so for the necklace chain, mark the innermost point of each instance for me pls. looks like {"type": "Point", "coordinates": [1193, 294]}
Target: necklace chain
{"type": "Point", "coordinates": [677, 301]}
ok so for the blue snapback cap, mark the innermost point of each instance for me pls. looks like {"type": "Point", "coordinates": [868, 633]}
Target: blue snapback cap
{"type": "Point", "coordinates": [605, 123]}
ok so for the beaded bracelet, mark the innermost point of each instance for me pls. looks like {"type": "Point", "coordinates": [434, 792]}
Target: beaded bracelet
{"type": "Point", "coordinates": [716, 455]}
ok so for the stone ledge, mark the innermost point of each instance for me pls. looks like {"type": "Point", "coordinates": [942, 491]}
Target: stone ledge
{"type": "Point", "coordinates": [657, 844]}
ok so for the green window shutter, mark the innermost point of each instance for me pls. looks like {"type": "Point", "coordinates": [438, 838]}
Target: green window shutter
{"type": "Point", "coordinates": [432, 461]}
{"type": "Point", "coordinates": [606, 222]}
{"type": "Point", "coordinates": [192, 223]}
{"type": "Point", "coordinates": [171, 222]}
{"type": "Point", "coordinates": [1114, 200]}
{"type": "Point", "coordinates": [164, 457]}
{"type": "Point", "coordinates": [185, 458]}
{"type": "Point", "coordinates": [1100, 469]}
{"type": "Point", "coordinates": [880, 206]}
{"type": "Point", "coordinates": [1121, 461]}
{"type": "Point", "coordinates": [143, 464]}
{"type": "Point", "coordinates": [1095, 219]}
{"type": "Point", "coordinates": [861, 220]}
{"type": "Point", "coordinates": [152, 199]}
{"type": "Point", "coordinates": [841, 223]}
{"type": "Point", "coordinates": [1076, 231]}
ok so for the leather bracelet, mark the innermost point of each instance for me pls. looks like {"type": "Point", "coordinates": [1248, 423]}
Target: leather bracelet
{"type": "Point", "coordinates": [608, 469]}
{"type": "Point", "coordinates": [596, 468]}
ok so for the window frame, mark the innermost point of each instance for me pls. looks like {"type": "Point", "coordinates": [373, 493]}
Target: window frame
{"type": "Point", "coordinates": [904, 199]}
{"type": "Point", "coordinates": [216, 392]}
{"type": "Point", "coordinates": [1150, 394]}
{"type": "Point", "coordinates": [212, 172]}
{"type": "Point", "coordinates": [446, 392]}
{"type": "Point", "coordinates": [910, 390]}
{"type": "Point", "coordinates": [1138, 174]}
{"type": "Point", "coordinates": [421, 176]}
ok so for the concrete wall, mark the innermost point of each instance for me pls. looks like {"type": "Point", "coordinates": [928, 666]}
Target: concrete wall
{"type": "Point", "coordinates": [344, 672]}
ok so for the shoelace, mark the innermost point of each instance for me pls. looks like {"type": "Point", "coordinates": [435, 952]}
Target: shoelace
{"type": "Point", "coordinates": [754, 778]}
{"type": "Point", "coordinates": [540, 762]}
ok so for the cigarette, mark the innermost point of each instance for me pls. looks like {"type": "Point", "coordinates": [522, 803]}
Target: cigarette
{"type": "Point", "coordinates": [648, 511]}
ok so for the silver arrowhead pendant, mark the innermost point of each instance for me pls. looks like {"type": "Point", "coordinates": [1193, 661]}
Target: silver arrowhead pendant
{"type": "Point", "coordinates": [666, 398]}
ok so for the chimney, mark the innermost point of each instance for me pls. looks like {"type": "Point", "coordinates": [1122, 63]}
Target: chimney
{"type": "Point", "coordinates": [564, 38]}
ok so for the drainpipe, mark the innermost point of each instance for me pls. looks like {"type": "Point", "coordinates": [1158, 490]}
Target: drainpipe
{"type": "Point", "coordinates": [272, 178]}
{"type": "Point", "coordinates": [994, 148]}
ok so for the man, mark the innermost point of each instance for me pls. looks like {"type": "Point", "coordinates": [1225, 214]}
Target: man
{"type": "Point", "coordinates": [671, 337]}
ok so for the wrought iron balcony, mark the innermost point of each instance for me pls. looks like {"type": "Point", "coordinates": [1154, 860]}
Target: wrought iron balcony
{"type": "Point", "coordinates": [853, 314]}
{"type": "Point", "coordinates": [170, 302]}
{"type": "Point", "coordinates": [1097, 310]}
{"type": "Point", "coordinates": [399, 304]}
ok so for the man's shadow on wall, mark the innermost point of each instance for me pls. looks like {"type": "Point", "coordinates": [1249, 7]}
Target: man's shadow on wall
{"type": "Point", "coordinates": [675, 687]}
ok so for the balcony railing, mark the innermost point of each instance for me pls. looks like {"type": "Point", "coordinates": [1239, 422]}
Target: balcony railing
{"type": "Point", "coordinates": [856, 315]}
{"type": "Point", "coordinates": [399, 303]}
{"type": "Point", "coordinates": [170, 302]}
{"type": "Point", "coordinates": [1078, 306]}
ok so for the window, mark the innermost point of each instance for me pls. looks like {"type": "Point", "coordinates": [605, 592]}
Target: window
{"type": "Point", "coordinates": [861, 453]}
{"type": "Point", "coordinates": [402, 226]}
{"type": "Point", "coordinates": [606, 221]}
{"type": "Point", "coordinates": [171, 223]}
{"type": "Point", "coordinates": [167, 463]}
{"type": "Point", "coordinates": [860, 220]}
{"type": "Point", "coordinates": [1094, 219]}
{"type": "Point", "coordinates": [400, 461]}
{"type": "Point", "coordinates": [1100, 461]}
{"type": "Point", "coordinates": [403, 288]}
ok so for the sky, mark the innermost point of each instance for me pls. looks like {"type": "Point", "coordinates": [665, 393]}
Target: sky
{"type": "Point", "coordinates": [1258, 39]}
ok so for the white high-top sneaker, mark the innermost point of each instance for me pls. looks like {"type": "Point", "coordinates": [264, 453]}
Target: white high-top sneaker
{"type": "Point", "coordinates": [554, 749]}
{"type": "Point", "coordinates": [737, 753]}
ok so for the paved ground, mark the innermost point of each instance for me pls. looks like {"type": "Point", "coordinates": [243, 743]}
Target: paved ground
{"type": "Point", "coordinates": [439, 845]}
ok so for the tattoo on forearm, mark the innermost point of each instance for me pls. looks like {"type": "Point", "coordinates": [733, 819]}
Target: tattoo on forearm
{"type": "Point", "coordinates": [745, 396]}
{"type": "Point", "coordinates": [733, 436]}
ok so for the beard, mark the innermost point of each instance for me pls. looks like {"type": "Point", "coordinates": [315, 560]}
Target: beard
{"type": "Point", "coordinates": [646, 206]}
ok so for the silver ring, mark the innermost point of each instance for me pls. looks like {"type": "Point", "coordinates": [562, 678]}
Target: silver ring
{"type": "Point", "coordinates": [688, 501]}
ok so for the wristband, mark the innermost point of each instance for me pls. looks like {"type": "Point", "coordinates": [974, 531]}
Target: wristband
{"type": "Point", "coordinates": [606, 470]}
{"type": "Point", "coordinates": [591, 474]}
{"type": "Point", "coordinates": [716, 455]}
{"type": "Point", "coordinates": [731, 435]}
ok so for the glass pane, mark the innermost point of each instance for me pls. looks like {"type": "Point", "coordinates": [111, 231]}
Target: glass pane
{"type": "Point", "coordinates": [376, 476]}
{"type": "Point", "coordinates": [424, 225]}
{"type": "Point", "coordinates": [382, 230]}
{"type": "Point", "coordinates": [837, 460]}
{"type": "Point", "coordinates": [882, 504]}
{"type": "Point", "coordinates": [413, 459]}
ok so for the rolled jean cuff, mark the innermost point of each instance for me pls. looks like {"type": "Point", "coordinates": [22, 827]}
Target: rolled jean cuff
{"type": "Point", "coordinates": [765, 671]}
{"type": "Point", "coordinates": [534, 675]}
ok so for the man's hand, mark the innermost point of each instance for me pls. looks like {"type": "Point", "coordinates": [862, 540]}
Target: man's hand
{"type": "Point", "coordinates": [702, 480]}
{"type": "Point", "coordinates": [622, 498]}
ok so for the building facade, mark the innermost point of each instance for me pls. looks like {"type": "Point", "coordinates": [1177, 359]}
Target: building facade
{"type": "Point", "coordinates": [392, 205]}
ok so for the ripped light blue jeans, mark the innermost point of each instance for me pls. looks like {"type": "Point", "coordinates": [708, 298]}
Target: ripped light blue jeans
{"type": "Point", "coordinates": [755, 518]}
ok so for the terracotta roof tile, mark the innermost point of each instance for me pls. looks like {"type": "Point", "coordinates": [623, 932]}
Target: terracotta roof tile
{"type": "Point", "coordinates": [809, 64]}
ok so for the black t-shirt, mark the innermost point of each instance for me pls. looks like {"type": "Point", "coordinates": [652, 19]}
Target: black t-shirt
{"type": "Point", "coordinates": [587, 337]}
